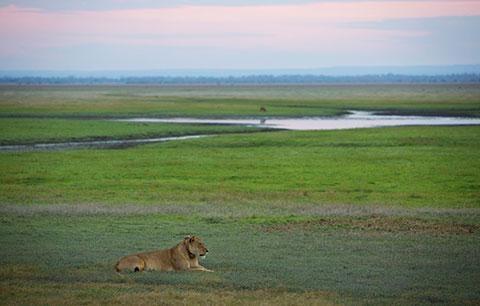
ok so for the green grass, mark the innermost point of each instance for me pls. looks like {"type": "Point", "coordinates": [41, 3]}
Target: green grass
{"type": "Point", "coordinates": [72, 257]}
{"type": "Point", "coordinates": [407, 166]}
{"type": "Point", "coordinates": [234, 101]}
{"type": "Point", "coordinates": [27, 130]}
{"type": "Point", "coordinates": [369, 216]}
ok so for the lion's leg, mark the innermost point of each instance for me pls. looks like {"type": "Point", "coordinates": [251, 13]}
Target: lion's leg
{"type": "Point", "coordinates": [131, 263]}
{"type": "Point", "coordinates": [200, 268]}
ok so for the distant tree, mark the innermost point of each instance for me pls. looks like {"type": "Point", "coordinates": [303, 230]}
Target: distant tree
{"type": "Point", "coordinates": [251, 79]}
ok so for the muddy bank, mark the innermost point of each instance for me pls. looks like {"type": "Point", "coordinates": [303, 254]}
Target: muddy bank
{"type": "Point", "coordinates": [119, 143]}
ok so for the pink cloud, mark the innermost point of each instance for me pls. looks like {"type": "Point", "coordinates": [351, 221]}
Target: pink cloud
{"type": "Point", "coordinates": [306, 26]}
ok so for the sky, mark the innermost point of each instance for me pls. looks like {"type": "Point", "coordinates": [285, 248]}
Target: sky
{"type": "Point", "coordinates": [216, 34]}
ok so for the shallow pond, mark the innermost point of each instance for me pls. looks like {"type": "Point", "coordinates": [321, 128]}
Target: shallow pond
{"type": "Point", "coordinates": [355, 119]}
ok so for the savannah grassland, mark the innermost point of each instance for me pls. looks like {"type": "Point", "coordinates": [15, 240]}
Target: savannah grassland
{"type": "Point", "coordinates": [368, 216]}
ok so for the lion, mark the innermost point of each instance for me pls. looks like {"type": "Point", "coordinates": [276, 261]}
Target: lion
{"type": "Point", "coordinates": [182, 257]}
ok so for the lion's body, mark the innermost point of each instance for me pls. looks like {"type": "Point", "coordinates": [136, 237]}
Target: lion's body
{"type": "Point", "coordinates": [182, 257]}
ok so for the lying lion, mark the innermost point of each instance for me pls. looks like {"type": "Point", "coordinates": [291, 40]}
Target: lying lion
{"type": "Point", "coordinates": [182, 257]}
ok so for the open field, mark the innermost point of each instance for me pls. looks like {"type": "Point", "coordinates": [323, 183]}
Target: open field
{"type": "Point", "coordinates": [408, 166]}
{"type": "Point", "coordinates": [221, 101]}
{"type": "Point", "coordinates": [65, 257]}
{"type": "Point", "coordinates": [370, 216]}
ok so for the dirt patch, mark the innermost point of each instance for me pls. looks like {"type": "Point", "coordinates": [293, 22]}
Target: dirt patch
{"type": "Point", "coordinates": [222, 211]}
{"type": "Point", "coordinates": [379, 224]}
{"type": "Point", "coordinates": [132, 294]}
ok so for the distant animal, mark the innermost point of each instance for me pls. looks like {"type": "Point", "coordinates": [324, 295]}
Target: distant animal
{"type": "Point", "coordinates": [182, 257]}
{"type": "Point", "coordinates": [263, 109]}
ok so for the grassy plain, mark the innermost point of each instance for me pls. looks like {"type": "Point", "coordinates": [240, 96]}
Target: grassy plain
{"type": "Point", "coordinates": [408, 166]}
{"type": "Point", "coordinates": [28, 130]}
{"type": "Point", "coordinates": [370, 216]}
{"type": "Point", "coordinates": [234, 101]}
{"type": "Point", "coordinates": [67, 257]}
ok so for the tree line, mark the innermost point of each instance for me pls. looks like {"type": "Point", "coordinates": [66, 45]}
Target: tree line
{"type": "Point", "coordinates": [248, 79]}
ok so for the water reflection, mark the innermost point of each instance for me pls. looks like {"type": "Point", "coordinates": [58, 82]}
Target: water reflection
{"type": "Point", "coordinates": [355, 119]}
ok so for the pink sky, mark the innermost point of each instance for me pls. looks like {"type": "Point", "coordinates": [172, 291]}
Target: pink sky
{"type": "Point", "coordinates": [328, 27]}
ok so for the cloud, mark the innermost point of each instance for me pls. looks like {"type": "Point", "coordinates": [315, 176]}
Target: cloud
{"type": "Point", "coordinates": [107, 5]}
{"type": "Point", "coordinates": [444, 39]}
{"type": "Point", "coordinates": [321, 32]}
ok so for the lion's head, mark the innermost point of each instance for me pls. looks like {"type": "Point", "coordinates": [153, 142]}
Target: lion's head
{"type": "Point", "coordinates": [195, 246]}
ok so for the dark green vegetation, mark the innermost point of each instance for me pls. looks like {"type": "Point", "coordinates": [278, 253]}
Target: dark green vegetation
{"type": "Point", "coordinates": [370, 216]}
{"type": "Point", "coordinates": [26, 130]}
{"type": "Point", "coordinates": [357, 260]}
{"type": "Point", "coordinates": [263, 79]}
{"type": "Point", "coordinates": [408, 166]}
{"type": "Point", "coordinates": [218, 101]}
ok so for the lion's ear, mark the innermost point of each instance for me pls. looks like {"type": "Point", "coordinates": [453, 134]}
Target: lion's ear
{"type": "Point", "coordinates": [192, 239]}
{"type": "Point", "coordinates": [187, 237]}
